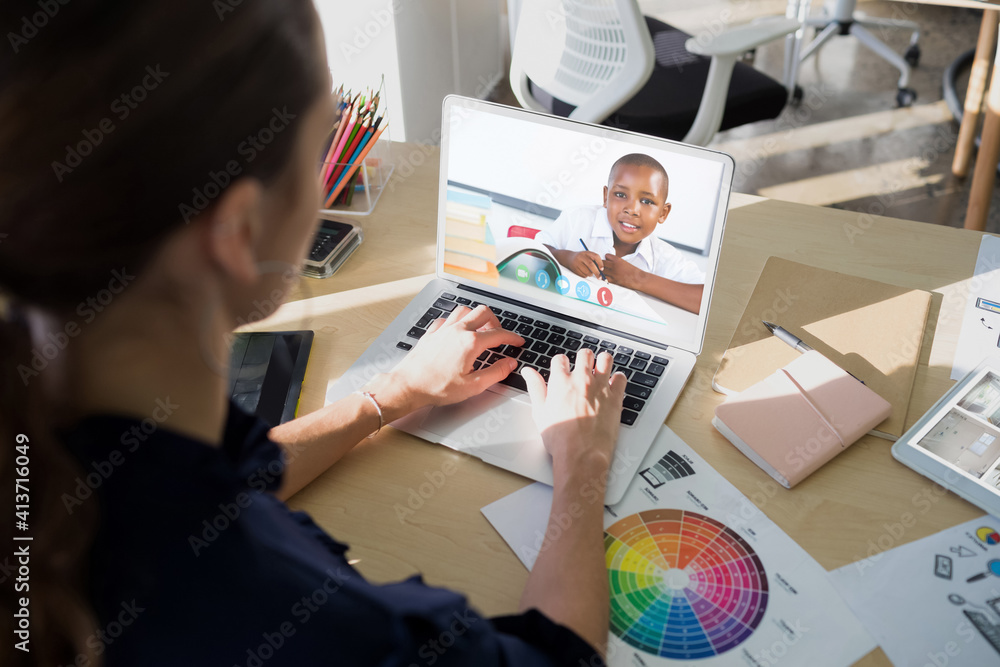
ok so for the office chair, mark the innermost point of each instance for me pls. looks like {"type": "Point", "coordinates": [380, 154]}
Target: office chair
{"type": "Point", "coordinates": [840, 18]}
{"type": "Point", "coordinates": [602, 61]}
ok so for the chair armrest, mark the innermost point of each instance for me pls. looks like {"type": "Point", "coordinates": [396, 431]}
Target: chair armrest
{"type": "Point", "coordinates": [740, 39]}
{"type": "Point", "coordinates": [724, 49]}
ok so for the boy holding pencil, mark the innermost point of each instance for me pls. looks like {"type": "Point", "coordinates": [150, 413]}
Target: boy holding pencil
{"type": "Point", "coordinates": [615, 241]}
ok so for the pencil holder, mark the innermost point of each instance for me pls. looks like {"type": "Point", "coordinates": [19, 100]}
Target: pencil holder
{"type": "Point", "coordinates": [354, 188]}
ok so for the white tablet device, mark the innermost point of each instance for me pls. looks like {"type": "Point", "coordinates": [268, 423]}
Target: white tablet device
{"type": "Point", "coordinates": [957, 443]}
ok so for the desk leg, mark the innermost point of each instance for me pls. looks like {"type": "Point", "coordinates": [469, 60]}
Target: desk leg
{"type": "Point", "coordinates": [985, 174]}
{"type": "Point", "coordinates": [974, 95]}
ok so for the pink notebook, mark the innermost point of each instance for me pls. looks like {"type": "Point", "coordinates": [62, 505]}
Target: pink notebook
{"type": "Point", "coordinates": [799, 417]}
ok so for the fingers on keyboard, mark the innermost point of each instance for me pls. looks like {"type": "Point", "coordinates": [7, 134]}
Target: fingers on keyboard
{"type": "Point", "coordinates": [543, 342]}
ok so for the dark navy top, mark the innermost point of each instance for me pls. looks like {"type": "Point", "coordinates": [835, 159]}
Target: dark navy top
{"type": "Point", "coordinates": [196, 563]}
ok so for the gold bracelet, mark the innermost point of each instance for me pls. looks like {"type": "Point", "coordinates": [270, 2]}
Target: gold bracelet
{"type": "Point", "coordinates": [378, 409]}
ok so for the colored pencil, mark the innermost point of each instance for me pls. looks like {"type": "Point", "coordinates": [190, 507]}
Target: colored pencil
{"type": "Point", "coordinates": [327, 163]}
{"type": "Point", "coordinates": [344, 161]}
{"type": "Point", "coordinates": [354, 167]}
{"type": "Point", "coordinates": [350, 128]}
{"type": "Point", "coordinates": [360, 144]}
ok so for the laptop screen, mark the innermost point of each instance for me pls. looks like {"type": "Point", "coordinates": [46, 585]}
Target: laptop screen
{"type": "Point", "coordinates": [617, 229]}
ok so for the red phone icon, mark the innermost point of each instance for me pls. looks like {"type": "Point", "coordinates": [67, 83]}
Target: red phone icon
{"type": "Point", "coordinates": [604, 296]}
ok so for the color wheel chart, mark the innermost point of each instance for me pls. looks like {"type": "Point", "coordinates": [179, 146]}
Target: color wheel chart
{"type": "Point", "coordinates": [683, 585]}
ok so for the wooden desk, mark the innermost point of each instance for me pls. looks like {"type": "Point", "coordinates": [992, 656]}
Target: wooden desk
{"type": "Point", "coordinates": [839, 515]}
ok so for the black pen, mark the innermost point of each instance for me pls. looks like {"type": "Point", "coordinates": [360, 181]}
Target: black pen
{"type": "Point", "coordinates": [595, 263]}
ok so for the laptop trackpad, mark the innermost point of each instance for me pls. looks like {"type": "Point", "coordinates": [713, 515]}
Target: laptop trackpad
{"type": "Point", "coordinates": [489, 424]}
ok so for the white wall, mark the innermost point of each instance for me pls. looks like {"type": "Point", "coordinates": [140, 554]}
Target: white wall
{"type": "Point", "coordinates": [361, 47]}
{"type": "Point", "coordinates": [425, 48]}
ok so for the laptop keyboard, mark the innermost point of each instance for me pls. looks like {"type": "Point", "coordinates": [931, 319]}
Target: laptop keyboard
{"type": "Point", "coordinates": [542, 341]}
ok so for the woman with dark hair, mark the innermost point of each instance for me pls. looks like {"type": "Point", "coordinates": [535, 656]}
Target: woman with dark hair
{"type": "Point", "coordinates": [155, 158]}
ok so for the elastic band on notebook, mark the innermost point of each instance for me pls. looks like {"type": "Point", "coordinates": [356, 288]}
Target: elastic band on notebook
{"type": "Point", "coordinates": [812, 405]}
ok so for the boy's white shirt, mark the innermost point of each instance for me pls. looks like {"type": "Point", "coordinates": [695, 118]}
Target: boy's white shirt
{"type": "Point", "coordinates": [590, 223]}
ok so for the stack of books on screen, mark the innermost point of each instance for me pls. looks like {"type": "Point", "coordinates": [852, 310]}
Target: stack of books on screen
{"type": "Point", "coordinates": [469, 249]}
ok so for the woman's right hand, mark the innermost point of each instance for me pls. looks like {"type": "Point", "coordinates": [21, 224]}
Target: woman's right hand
{"type": "Point", "coordinates": [579, 411]}
{"type": "Point", "coordinates": [439, 370]}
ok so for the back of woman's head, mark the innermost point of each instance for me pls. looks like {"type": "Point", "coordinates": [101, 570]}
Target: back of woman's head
{"type": "Point", "coordinates": [119, 122]}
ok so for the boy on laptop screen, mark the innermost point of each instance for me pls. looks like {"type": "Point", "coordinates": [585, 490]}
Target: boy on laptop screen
{"type": "Point", "coordinates": [522, 201]}
{"type": "Point", "coordinates": [615, 242]}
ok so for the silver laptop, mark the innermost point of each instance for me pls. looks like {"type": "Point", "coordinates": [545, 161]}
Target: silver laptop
{"type": "Point", "coordinates": [518, 187]}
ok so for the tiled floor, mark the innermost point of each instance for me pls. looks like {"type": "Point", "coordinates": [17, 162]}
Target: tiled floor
{"type": "Point", "coordinates": [847, 145]}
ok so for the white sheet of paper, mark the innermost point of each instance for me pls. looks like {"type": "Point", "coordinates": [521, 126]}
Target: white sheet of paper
{"type": "Point", "coordinates": [695, 555]}
{"type": "Point", "coordinates": [521, 519]}
{"type": "Point", "coordinates": [980, 328]}
{"type": "Point", "coordinates": [916, 599]}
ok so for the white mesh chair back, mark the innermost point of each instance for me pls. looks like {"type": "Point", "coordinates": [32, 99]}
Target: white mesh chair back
{"type": "Point", "coordinates": [592, 54]}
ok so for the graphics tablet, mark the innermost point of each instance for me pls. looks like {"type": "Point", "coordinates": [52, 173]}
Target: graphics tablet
{"type": "Point", "coordinates": [957, 443]}
{"type": "Point", "coordinates": [266, 372]}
